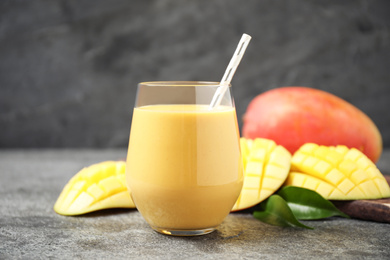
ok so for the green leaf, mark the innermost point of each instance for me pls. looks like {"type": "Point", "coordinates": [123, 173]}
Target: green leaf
{"type": "Point", "coordinates": [308, 204]}
{"type": "Point", "coordinates": [277, 212]}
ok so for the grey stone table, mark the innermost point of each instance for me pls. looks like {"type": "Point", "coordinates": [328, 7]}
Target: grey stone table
{"type": "Point", "coordinates": [30, 182]}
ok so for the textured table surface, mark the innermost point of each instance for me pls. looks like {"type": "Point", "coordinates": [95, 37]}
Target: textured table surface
{"type": "Point", "coordinates": [31, 180]}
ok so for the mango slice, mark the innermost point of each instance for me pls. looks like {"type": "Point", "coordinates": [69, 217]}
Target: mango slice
{"type": "Point", "coordinates": [337, 173]}
{"type": "Point", "coordinates": [99, 186]}
{"type": "Point", "coordinates": [266, 166]}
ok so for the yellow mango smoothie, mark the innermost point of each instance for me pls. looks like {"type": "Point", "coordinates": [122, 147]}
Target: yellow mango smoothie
{"type": "Point", "coordinates": [184, 167]}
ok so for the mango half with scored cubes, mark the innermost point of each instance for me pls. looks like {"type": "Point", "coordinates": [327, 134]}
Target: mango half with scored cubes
{"type": "Point", "coordinates": [337, 173]}
{"type": "Point", "coordinates": [266, 167]}
{"type": "Point", "coordinates": [99, 186]}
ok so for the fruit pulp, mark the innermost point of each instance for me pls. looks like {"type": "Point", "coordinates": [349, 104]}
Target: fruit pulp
{"type": "Point", "coordinates": [337, 173]}
{"type": "Point", "coordinates": [184, 167]}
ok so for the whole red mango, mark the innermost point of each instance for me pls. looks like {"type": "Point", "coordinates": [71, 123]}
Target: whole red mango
{"type": "Point", "coordinates": [292, 116]}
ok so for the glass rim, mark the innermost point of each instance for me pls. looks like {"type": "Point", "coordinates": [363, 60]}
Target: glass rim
{"type": "Point", "coordinates": [179, 83]}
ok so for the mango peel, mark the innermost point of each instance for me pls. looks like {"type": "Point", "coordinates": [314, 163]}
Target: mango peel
{"type": "Point", "coordinates": [99, 186]}
{"type": "Point", "coordinates": [293, 116]}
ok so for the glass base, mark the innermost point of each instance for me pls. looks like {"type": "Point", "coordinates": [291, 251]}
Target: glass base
{"type": "Point", "coordinates": [175, 232]}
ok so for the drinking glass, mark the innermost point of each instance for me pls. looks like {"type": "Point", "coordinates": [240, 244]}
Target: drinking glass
{"type": "Point", "coordinates": [184, 169]}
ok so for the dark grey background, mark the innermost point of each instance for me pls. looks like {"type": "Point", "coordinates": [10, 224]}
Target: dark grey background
{"type": "Point", "coordinates": [69, 69]}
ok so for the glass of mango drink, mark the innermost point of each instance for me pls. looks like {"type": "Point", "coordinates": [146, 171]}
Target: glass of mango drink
{"type": "Point", "coordinates": [184, 168]}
